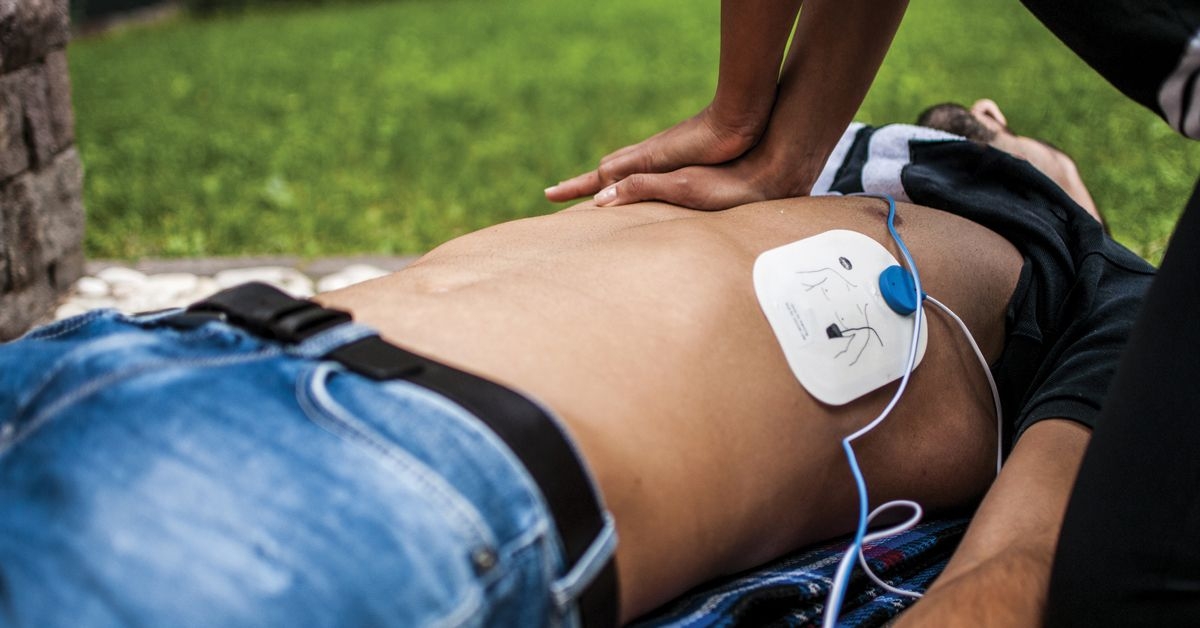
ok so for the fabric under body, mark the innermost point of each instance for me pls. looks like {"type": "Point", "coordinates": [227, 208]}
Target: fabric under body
{"type": "Point", "coordinates": [1079, 291]}
{"type": "Point", "coordinates": [151, 476]}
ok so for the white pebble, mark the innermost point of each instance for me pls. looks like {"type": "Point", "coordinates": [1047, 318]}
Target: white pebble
{"type": "Point", "coordinates": [69, 309]}
{"type": "Point", "coordinates": [205, 287]}
{"type": "Point", "coordinates": [143, 302]}
{"type": "Point", "coordinates": [167, 286]}
{"type": "Point", "coordinates": [287, 279]}
{"type": "Point", "coordinates": [131, 291]}
{"type": "Point", "coordinates": [348, 276]}
{"type": "Point", "coordinates": [117, 275]}
{"type": "Point", "coordinates": [91, 287]}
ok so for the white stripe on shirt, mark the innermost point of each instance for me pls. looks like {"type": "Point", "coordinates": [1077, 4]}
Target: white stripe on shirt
{"type": "Point", "coordinates": [1172, 99]}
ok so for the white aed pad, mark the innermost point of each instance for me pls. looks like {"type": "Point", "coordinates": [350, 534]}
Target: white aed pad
{"type": "Point", "coordinates": [822, 298]}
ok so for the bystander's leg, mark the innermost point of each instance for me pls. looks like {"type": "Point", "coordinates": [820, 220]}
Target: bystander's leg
{"type": "Point", "coordinates": [1129, 553]}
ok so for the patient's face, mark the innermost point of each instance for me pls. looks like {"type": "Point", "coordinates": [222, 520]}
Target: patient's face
{"type": "Point", "coordinates": [1051, 161]}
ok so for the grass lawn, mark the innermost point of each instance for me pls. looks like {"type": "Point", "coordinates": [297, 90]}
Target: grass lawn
{"type": "Point", "coordinates": [388, 128]}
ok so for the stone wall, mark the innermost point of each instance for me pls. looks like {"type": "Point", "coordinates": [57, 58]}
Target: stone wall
{"type": "Point", "coordinates": [41, 179]}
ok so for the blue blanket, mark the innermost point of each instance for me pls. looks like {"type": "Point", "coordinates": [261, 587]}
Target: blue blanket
{"type": "Point", "coordinates": [791, 590]}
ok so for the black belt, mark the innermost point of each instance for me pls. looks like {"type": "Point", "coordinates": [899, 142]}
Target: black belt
{"type": "Point", "coordinates": [522, 425]}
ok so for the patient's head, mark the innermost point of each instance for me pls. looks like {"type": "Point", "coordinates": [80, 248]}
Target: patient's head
{"type": "Point", "coordinates": [985, 123]}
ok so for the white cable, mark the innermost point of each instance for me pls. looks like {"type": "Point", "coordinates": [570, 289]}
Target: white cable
{"type": "Point", "coordinates": [909, 365]}
{"type": "Point", "coordinates": [987, 371]}
{"type": "Point", "coordinates": [917, 513]}
{"type": "Point", "coordinates": [842, 575]}
{"type": "Point", "coordinates": [899, 528]}
{"type": "Point", "coordinates": [915, 518]}
{"type": "Point", "coordinates": [855, 550]}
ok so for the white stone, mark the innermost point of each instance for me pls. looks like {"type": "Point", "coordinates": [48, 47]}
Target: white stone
{"type": "Point", "coordinates": [287, 279]}
{"type": "Point", "coordinates": [122, 282]}
{"type": "Point", "coordinates": [78, 305]}
{"type": "Point", "coordinates": [125, 290]}
{"type": "Point", "coordinates": [131, 291]}
{"type": "Point", "coordinates": [348, 276]}
{"type": "Point", "coordinates": [143, 302]}
{"type": "Point", "coordinates": [205, 287]}
{"type": "Point", "coordinates": [91, 287]}
{"type": "Point", "coordinates": [118, 275]}
{"type": "Point", "coordinates": [168, 286]}
{"type": "Point", "coordinates": [69, 309]}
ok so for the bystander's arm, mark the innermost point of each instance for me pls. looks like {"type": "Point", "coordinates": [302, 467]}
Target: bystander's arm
{"type": "Point", "coordinates": [1001, 571]}
{"type": "Point", "coordinates": [754, 35]}
{"type": "Point", "coordinates": [836, 51]}
{"type": "Point", "coordinates": [835, 54]}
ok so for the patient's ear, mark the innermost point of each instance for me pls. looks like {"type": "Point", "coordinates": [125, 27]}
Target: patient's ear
{"type": "Point", "coordinates": [985, 108]}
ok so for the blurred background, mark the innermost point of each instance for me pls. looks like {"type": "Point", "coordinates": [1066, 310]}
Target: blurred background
{"type": "Point", "coordinates": [234, 127]}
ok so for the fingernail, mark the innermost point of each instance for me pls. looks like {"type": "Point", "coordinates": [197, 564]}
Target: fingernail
{"type": "Point", "coordinates": [607, 195]}
{"type": "Point", "coordinates": [552, 189]}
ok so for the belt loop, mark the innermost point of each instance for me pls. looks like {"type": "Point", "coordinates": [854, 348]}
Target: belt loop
{"type": "Point", "coordinates": [587, 567]}
{"type": "Point", "coordinates": [327, 342]}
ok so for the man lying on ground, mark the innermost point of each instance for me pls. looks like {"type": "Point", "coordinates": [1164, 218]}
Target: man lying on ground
{"type": "Point", "coordinates": [259, 460]}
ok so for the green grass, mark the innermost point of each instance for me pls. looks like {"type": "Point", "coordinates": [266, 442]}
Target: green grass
{"type": "Point", "coordinates": [389, 128]}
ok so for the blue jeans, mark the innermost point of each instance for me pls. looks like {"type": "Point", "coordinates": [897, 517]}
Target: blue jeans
{"type": "Point", "coordinates": [154, 476]}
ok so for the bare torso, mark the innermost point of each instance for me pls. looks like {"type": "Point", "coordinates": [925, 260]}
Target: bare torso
{"type": "Point", "coordinates": [639, 327]}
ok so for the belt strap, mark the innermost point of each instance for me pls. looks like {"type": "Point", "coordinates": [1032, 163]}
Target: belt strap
{"type": "Point", "coordinates": [535, 439]}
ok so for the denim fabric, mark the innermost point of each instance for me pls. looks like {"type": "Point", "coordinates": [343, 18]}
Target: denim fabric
{"type": "Point", "coordinates": [154, 476]}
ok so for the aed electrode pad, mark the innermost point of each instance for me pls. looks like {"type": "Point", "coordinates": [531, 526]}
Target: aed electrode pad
{"type": "Point", "coordinates": [822, 298]}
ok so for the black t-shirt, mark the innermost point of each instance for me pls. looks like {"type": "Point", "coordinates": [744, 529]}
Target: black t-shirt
{"type": "Point", "coordinates": [1079, 291]}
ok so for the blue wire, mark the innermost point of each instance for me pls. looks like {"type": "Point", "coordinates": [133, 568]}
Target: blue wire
{"type": "Point", "coordinates": [861, 531]}
{"type": "Point", "coordinates": [859, 481]}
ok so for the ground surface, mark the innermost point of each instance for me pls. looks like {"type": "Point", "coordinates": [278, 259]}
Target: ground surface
{"type": "Point", "coordinates": [151, 285]}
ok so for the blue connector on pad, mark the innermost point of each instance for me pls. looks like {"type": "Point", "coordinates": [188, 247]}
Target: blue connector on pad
{"type": "Point", "coordinates": [898, 290]}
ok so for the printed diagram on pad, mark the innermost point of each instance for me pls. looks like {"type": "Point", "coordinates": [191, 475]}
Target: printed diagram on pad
{"type": "Point", "coordinates": [860, 335]}
{"type": "Point", "coordinates": [822, 298]}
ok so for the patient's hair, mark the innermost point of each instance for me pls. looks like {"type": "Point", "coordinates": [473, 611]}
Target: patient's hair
{"type": "Point", "coordinates": [954, 118]}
